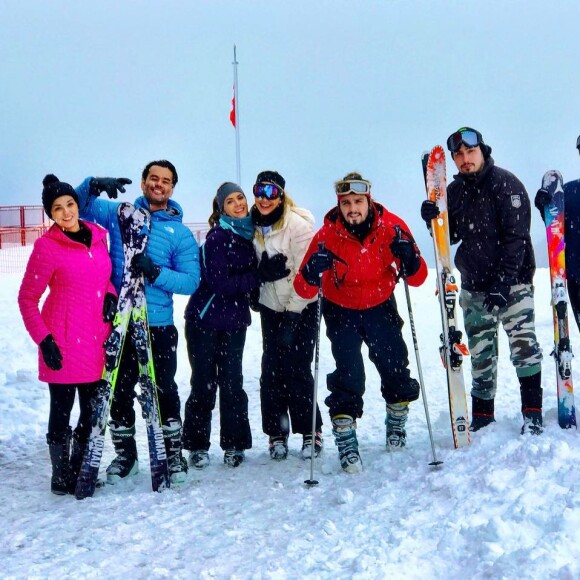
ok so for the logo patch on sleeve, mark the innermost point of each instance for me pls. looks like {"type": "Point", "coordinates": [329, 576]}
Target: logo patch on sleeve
{"type": "Point", "coordinates": [516, 201]}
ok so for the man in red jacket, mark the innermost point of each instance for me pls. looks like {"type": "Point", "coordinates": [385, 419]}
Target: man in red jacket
{"type": "Point", "coordinates": [366, 250]}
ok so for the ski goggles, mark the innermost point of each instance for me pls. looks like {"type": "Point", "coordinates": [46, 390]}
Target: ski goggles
{"type": "Point", "coordinates": [358, 186]}
{"type": "Point", "coordinates": [465, 136]}
{"type": "Point", "coordinates": [268, 190]}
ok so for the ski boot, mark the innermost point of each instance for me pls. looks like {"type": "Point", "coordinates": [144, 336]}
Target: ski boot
{"type": "Point", "coordinates": [344, 431]}
{"type": "Point", "coordinates": [126, 463]}
{"type": "Point", "coordinates": [198, 459]}
{"type": "Point", "coordinates": [395, 421]}
{"type": "Point", "coordinates": [482, 413]}
{"type": "Point", "coordinates": [279, 447]}
{"type": "Point", "coordinates": [59, 457]}
{"type": "Point", "coordinates": [306, 451]}
{"type": "Point", "coordinates": [531, 394]}
{"type": "Point", "coordinates": [533, 423]}
{"type": "Point", "coordinates": [234, 458]}
{"type": "Point", "coordinates": [176, 463]}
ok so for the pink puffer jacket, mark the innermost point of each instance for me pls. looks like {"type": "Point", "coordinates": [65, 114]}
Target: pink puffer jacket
{"type": "Point", "coordinates": [78, 280]}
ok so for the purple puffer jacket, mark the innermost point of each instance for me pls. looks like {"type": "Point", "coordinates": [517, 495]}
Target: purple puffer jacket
{"type": "Point", "coordinates": [228, 275]}
{"type": "Point", "coordinates": [77, 279]}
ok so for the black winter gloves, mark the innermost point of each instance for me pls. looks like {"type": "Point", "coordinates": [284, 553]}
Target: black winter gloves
{"type": "Point", "coordinates": [497, 296]}
{"type": "Point", "coordinates": [51, 353]}
{"type": "Point", "coordinates": [109, 307]}
{"type": "Point", "coordinates": [408, 254]}
{"type": "Point", "coordinates": [288, 328]}
{"type": "Point", "coordinates": [429, 211]}
{"type": "Point", "coordinates": [272, 269]}
{"type": "Point", "coordinates": [110, 185]}
{"type": "Point", "coordinates": [143, 264]}
{"type": "Point", "coordinates": [541, 200]}
{"type": "Point", "coordinates": [317, 264]}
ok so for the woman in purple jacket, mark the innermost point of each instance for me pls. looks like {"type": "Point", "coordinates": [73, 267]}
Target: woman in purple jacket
{"type": "Point", "coordinates": [72, 261]}
{"type": "Point", "coordinates": [217, 317]}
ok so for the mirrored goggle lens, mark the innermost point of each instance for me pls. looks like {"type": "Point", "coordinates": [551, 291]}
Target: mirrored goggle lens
{"type": "Point", "coordinates": [267, 190]}
{"type": "Point", "coordinates": [467, 138]}
{"type": "Point", "coordinates": [344, 187]}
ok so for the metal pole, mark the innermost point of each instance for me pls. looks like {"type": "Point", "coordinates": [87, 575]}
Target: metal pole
{"type": "Point", "coordinates": [237, 118]}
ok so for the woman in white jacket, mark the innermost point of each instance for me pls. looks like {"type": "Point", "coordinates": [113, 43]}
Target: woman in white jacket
{"type": "Point", "coordinates": [289, 322]}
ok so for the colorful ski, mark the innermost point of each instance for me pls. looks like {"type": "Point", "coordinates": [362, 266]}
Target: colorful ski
{"type": "Point", "coordinates": [452, 348]}
{"type": "Point", "coordinates": [562, 353]}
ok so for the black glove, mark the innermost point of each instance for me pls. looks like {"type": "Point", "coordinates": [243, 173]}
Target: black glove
{"type": "Point", "coordinates": [288, 328]}
{"type": "Point", "coordinates": [143, 264]}
{"type": "Point", "coordinates": [110, 185]}
{"type": "Point", "coordinates": [109, 307]}
{"type": "Point", "coordinates": [272, 269]}
{"type": "Point", "coordinates": [51, 353]}
{"type": "Point", "coordinates": [497, 296]}
{"type": "Point", "coordinates": [318, 263]}
{"type": "Point", "coordinates": [429, 211]}
{"type": "Point", "coordinates": [408, 254]}
{"type": "Point", "coordinates": [542, 199]}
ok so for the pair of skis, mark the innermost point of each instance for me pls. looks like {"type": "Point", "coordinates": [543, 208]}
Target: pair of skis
{"type": "Point", "coordinates": [130, 321]}
{"type": "Point", "coordinates": [554, 220]}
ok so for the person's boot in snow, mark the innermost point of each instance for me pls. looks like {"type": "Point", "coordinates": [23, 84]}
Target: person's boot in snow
{"type": "Point", "coordinates": [306, 451]}
{"type": "Point", "coordinates": [395, 421]}
{"type": "Point", "coordinates": [482, 413]}
{"type": "Point", "coordinates": [531, 393]}
{"type": "Point", "coordinates": [125, 464]}
{"type": "Point", "coordinates": [278, 447]}
{"type": "Point", "coordinates": [176, 463]}
{"type": "Point", "coordinates": [58, 447]}
{"type": "Point", "coordinates": [344, 431]}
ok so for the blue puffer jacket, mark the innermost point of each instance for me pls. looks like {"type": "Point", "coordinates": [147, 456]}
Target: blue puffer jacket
{"type": "Point", "coordinates": [171, 246]}
{"type": "Point", "coordinates": [229, 274]}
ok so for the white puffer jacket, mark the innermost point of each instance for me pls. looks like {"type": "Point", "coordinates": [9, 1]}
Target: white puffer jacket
{"type": "Point", "coordinates": [290, 236]}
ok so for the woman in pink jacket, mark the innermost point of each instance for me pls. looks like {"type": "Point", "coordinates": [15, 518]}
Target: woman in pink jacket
{"type": "Point", "coordinates": [72, 261]}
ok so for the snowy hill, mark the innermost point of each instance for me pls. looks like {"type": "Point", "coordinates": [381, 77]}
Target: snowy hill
{"type": "Point", "coordinates": [505, 507]}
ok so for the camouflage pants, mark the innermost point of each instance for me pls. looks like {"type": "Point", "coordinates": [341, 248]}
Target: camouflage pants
{"type": "Point", "coordinates": [481, 326]}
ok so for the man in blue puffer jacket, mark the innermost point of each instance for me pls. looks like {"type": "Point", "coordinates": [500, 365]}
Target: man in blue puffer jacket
{"type": "Point", "coordinates": [170, 266]}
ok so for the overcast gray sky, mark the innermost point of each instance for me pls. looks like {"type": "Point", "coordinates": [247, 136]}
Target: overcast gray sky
{"type": "Point", "coordinates": [101, 88]}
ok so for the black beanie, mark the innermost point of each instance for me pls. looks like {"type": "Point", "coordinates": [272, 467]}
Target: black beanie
{"type": "Point", "coordinates": [224, 190]}
{"type": "Point", "coordinates": [271, 177]}
{"type": "Point", "coordinates": [53, 189]}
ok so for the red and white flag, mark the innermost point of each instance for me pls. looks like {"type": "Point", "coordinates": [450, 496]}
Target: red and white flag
{"type": "Point", "coordinates": [233, 111]}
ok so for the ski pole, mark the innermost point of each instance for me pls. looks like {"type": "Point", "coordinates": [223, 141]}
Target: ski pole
{"type": "Point", "coordinates": [312, 481]}
{"type": "Point", "coordinates": [435, 461]}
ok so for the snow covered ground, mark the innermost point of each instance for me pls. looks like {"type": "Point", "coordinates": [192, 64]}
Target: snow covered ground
{"type": "Point", "coordinates": [507, 507]}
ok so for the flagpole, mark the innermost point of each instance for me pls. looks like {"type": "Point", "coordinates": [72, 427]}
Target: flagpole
{"type": "Point", "coordinates": [237, 118]}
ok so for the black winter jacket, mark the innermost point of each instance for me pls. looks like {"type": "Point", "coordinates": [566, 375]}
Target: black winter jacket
{"type": "Point", "coordinates": [489, 213]}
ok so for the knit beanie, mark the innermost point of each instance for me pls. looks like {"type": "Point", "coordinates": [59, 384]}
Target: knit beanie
{"type": "Point", "coordinates": [271, 177]}
{"type": "Point", "coordinates": [224, 190]}
{"type": "Point", "coordinates": [53, 189]}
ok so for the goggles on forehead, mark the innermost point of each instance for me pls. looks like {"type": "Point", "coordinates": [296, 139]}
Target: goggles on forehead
{"type": "Point", "coordinates": [467, 137]}
{"type": "Point", "coordinates": [359, 186]}
{"type": "Point", "coordinates": [268, 190]}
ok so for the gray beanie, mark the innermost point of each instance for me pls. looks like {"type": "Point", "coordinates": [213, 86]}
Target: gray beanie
{"type": "Point", "coordinates": [224, 190]}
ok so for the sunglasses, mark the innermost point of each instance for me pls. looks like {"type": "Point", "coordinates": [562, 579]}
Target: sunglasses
{"type": "Point", "coordinates": [268, 190]}
{"type": "Point", "coordinates": [467, 137]}
{"type": "Point", "coordinates": [359, 186]}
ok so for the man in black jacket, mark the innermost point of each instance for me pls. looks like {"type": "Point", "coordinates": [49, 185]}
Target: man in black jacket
{"type": "Point", "coordinates": [489, 215]}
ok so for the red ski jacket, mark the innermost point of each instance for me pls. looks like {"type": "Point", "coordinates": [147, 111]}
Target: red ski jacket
{"type": "Point", "coordinates": [369, 274]}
